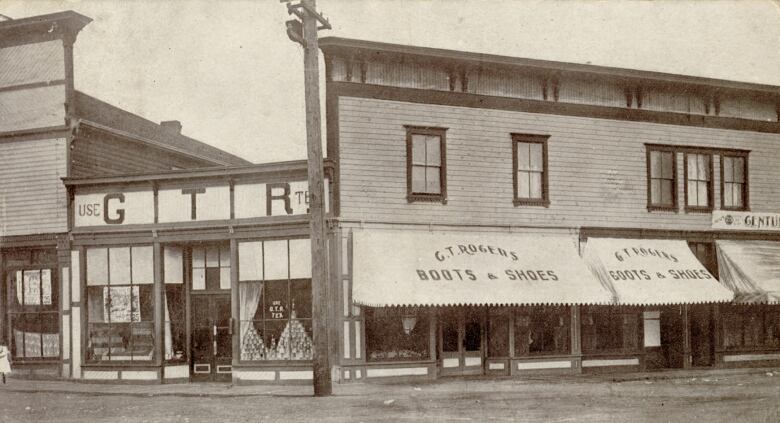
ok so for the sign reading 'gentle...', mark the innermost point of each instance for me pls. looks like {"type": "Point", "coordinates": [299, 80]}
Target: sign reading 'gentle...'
{"type": "Point", "coordinates": [745, 221]}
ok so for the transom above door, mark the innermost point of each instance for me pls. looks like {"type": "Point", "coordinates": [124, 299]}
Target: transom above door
{"type": "Point", "coordinates": [211, 268]}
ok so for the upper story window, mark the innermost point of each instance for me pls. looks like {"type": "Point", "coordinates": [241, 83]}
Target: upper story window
{"type": "Point", "coordinates": [734, 181]}
{"type": "Point", "coordinates": [698, 181]}
{"type": "Point", "coordinates": [426, 172]}
{"type": "Point", "coordinates": [661, 175]}
{"type": "Point", "coordinates": [530, 169]}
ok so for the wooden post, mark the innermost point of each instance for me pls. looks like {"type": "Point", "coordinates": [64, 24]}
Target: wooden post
{"type": "Point", "coordinates": [319, 275]}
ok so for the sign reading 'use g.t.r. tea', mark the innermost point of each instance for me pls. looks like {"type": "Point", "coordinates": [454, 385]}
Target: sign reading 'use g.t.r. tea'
{"type": "Point", "coordinates": [191, 203]}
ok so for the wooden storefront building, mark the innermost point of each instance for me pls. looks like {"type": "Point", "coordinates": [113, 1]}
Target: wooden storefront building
{"type": "Point", "coordinates": [487, 215]}
{"type": "Point", "coordinates": [447, 163]}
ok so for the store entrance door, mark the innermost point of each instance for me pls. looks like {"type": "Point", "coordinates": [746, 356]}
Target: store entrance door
{"type": "Point", "coordinates": [460, 341]}
{"type": "Point", "coordinates": [212, 349]}
{"type": "Point", "coordinates": [702, 327]}
{"type": "Point", "coordinates": [664, 338]}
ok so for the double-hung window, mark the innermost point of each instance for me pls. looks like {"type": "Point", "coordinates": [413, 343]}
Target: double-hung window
{"type": "Point", "coordinates": [530, 169]}
{"type": "Point", "coordinates": [661, 175]}
{"type": "Point", "coordinates": [734, 181]}
{"type": "Point", "coordinates": [698, 181]}
{"type": "Point", "coordinates": [426, 164]}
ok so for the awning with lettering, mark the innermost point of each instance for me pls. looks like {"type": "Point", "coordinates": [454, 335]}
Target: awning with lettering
{"type": "Point", "coordinates": [751, 269]}
{"type": "Point", "coordinates": [652, 272]}
{"type": "Point", "coordinates": [415, 268]}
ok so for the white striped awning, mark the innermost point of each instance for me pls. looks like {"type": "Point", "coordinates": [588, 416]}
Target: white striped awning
{"type": "Point", "coordinates": [415, 268]}
{"type": "Point", "coordinates": [751, 269]}
{"type": "Point", "coordinates": [652, 272]}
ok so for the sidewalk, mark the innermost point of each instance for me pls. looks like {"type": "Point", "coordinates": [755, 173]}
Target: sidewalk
{"type": "Point", "coordinates": [352, 389]}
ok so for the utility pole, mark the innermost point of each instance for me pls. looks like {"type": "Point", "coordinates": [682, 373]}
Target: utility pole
{"type": "Point", "coordinates": [304, 32]}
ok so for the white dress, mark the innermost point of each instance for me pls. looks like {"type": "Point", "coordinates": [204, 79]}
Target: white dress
{"type": "Point", "coordinates": [5, 366]}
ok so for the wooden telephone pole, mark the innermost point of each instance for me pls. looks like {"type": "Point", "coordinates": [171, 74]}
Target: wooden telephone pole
{"type": "Point", "coordinates": [304, 32]}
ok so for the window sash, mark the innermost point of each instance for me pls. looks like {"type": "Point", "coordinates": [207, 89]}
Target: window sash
{"type": "Point", "coordinates": [530, 169]}
{"type": "Point", "coordinates": [734, 181]}
{"type": "Point", "coordinates": [661, 178]}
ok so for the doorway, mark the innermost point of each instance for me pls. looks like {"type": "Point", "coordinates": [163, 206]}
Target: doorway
{"type": "Point", "coordinates": [461, 334]}
{"type": "Point", "coordinates": [702, 327]}
{"type": "Point", "coordinates": [664, 338]}
{"type": "Point", "coordinates": [212, 351]}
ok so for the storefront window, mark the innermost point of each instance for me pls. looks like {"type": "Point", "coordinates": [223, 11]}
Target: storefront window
{"type": "Point", "coordinates": [750, 326]}
{"type": "Point", "coordinates": [174, 303]}
{"type": "Point", "coordinates": [120, 304]}
{"type": "Point", "coordinates": [397, 334]}
{"type": "Point", "coordinates": [33, 313]}
{"type": "Point", "coordinates": [610, 329]}
{"type": "Point", "coordinates": [542, 330]}
{"type": "Point", "coordinates": [498, 332]}
{"type": "Point", "coordinates": [275, 300]}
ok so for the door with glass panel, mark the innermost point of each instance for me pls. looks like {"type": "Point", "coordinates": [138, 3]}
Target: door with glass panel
{"type": "Point", "coordinates": [460, 341]}
{"type": "Point", "coordinates": [211, 338]}
{"type": "Point", "coordinates": [210, 313]}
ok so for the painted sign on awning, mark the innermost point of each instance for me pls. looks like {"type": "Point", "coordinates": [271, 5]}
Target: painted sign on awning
{"type": "Point", "coordinates": [653, 271]}
{"type": "Point", "coordinates": [745, 221]}
{"type": "Point", "coordinates": [448, 268]}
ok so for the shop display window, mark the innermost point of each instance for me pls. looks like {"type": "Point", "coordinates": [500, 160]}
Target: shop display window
{"type": "Point", "coordinates": [610, 329]}
{"type": "Point", "coordinates": [397, 334]}
{"type": "Point", "coordinates": [174, 305]}
{"type": "Point", "coordinates": [543, 330]}
{"type": "Point", "coordinates": [120, 304]}
{"type": "Point", "coordinates": [33, 313]}
{"type": "Point", "coordinates": [498, 332]}
{"type": "Point", "coordinates": [275, 300]}
{"type": "Point", "coordinates": [750, 326]}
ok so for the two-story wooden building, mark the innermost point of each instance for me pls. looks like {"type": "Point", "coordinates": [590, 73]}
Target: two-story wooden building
{"type": "Point", "coordinates": [473, 192]}
{"type": "Point", "coordinates": [487, 215]}
{"type": "Point", "coordinates": [50, 131]}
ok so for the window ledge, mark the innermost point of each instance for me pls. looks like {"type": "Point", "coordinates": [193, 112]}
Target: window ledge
{"type": "Point", "coordinates": [431, 198]}
{"type": "Point", "coordinates": [735, 209]}
{"type": "Point", "coordinates": [669, 209]}
{"type": "Point", "coordinates": [538, 203]}
{"type": "Point", "coordinates": [700, 210]}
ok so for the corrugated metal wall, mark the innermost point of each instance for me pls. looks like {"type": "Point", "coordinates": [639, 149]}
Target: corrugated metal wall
{"type": "Point", "coordinates": [597, 167]}
{"type": "Point", "coordinates": [37, 106]}
{"type": "Point", "coordinates": [32, 196]}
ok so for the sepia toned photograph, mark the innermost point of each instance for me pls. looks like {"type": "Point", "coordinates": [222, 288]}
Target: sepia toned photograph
{"type": "Point", "coordinates": [389, 210]}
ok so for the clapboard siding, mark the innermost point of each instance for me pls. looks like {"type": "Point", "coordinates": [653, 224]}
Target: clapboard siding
{"type": "Point", "coordinates": [101, 155]}
{"type": "Point", "coordinates": [32, 63]}
{"type": "Point", "coordinates": [597, 169]}
{"type": "Point", "coordinates": [32, 196]}
{"type": "Point", "coordinates": [32, 108]}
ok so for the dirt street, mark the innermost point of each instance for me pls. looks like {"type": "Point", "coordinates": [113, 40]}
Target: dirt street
{"type": "Point", "coordinates": [716, 398]}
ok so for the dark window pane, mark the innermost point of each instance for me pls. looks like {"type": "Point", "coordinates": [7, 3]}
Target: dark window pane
{"type": "Point", "coordinates": [212, 277]}
{"type": "Point", "coordinates": [276, 304]}
{"type": "Point", "coordinates": [100, 338]}
{"type": "Point", "coordinates": [473, 331]}
{"type": "Point", "coordinates": [387, 340]}
{"type": "Point", "coordinates": [145, 303]}
{"type": "Point", "coordinates": [300, 290]}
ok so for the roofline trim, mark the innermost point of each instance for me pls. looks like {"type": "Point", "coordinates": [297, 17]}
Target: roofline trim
{"type": "Point", "coordinates": [327, 44]}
